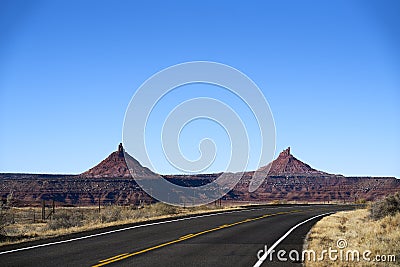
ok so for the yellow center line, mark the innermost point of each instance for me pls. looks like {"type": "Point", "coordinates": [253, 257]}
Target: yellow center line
{"type": "Point", "coordinates": [120, 255]}
{"type": "Point", "coordinates": [186, 237]}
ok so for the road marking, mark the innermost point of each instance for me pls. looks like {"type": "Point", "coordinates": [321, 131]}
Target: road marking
{"type": "Point", "coordinates": [128, 228]}
{"type": "Point", "coordinates": [264, 257]}
{"type": "Point", "coordinates": [189, 236]}
{"type": "Point", "coordinates": [186, 236]}
{"type": "Point", "coordinates": [120, 255]}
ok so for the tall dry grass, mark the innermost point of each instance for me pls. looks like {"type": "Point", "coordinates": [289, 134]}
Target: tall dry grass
{"type": "Point", "coordinates": [72, 220]}
{"type": "Point", "coordinates": [361, 232]}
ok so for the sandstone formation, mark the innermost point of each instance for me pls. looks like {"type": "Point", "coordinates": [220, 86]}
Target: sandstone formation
{"type": "Point", "coordinates": [115, 166]}
{"type": "Point", "coordinates": [286, 163]}
{"type": "Point", "coordinates": [110, 182]}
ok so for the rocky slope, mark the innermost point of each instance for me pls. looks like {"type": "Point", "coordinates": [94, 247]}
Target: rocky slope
{"type": "Point", "coordinates": [115, 166]}
{"type": "Point", "coordinates": [287, 164]}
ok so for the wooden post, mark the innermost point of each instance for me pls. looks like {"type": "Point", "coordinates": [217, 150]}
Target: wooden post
{"type": "Point", "coordinates": [99, 204]}
{"type": "Point", "coordinates": [54, 207]}
{"type": "Point", "coordinates": [43, 209]}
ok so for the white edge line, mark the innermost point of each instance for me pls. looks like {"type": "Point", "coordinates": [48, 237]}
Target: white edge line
{"type": "Point", "coordinates": [123, 229]}
{"type": "Point", "coordinates": [264, 257]}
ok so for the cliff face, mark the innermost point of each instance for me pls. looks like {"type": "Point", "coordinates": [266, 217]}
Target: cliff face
{"type": "Point", "coordinates": [115, 166]}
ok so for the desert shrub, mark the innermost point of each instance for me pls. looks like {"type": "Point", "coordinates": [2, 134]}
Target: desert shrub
{"type": "Point", "coordinates": [3, 223]}
{"type": "Point", "coordinates": [111, 214]}
{"type": "Point", "coordinates": [388, 206]}
{"type": "Point", "coordinates": [92, 217]}
{"type": "Point", "coordinates": [6, 218]}
{"type": "Point", "coordinates": [160, 209]}
{"type": "Point", "coordinates": [361, 201]}
{"type": "Point", "coordinates": [198, 208]}
{"type": "Point", "coordinates": [278, 201]}
{"type": "Point", "coordinates": [65, 219]}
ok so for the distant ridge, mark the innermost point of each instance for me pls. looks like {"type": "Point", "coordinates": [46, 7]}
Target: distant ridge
{"type": "Point", "coordinates": [110, 182]}
{"type": "Point", "coordinates": [115, 166]}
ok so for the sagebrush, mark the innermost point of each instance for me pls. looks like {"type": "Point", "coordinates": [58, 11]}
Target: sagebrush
{"type": "Point", "coordinates": [65, 219]}
{"type": "Point", "coordinates": [389, 206]}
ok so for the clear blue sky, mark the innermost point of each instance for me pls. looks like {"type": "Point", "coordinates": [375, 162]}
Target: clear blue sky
{"type": "Point", "coordinates": [330, 71]}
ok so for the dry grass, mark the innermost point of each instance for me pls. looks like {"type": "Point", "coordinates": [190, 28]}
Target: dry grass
{"type": "Point", "coordinates": [72, 220]}
{"type": "Point", "coordinates": [381, 237]}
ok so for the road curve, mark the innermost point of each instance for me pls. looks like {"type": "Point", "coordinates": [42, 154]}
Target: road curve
{"type": "Point", "coordinates": [224, 239]}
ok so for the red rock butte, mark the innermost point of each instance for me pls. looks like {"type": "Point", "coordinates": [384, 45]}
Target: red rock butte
{"type": "Point", "coordinates": [286, 163]}
{"type": "Point", "coordinates": [110, 182]}
{"type": "Point", "coordinates": [115, 166]}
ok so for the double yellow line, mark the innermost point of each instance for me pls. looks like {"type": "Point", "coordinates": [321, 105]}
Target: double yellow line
{"type": "Point", "coordinates": [185, 237]}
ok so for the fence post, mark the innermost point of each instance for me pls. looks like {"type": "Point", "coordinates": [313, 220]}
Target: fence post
{"type": "Point", "coordinates": [43, 209]}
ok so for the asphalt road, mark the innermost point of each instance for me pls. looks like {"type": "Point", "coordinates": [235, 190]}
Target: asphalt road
{"type": "Point", "coordinates": [225, 239]}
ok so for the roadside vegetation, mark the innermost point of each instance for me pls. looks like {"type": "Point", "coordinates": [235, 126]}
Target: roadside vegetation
{"type": "Point", "coordinates": [375, 229]}
{"type": "Point", "coordinates": [22, 224]}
